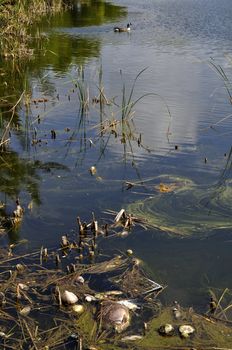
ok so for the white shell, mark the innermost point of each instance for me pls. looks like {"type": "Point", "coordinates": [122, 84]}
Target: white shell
{"type": "Point", "coordinates": [69, 298]}
{"type": "Point", "coordinates": [93, 170]}
{"type": "Point", "coordinates": [129, 251]}
{"type": "Point", "coordinates": [78, 308]}
{"type": "Point", "coordinates": [80, 279]}
{"type": "Point", "coordinates": [185, 330]}
{"type": "Point", "coordinates": [89, 298]}
{"type": "Point", "coordinates": [166, 329]}
{"type": "Point", "coordinates": [25, 311]}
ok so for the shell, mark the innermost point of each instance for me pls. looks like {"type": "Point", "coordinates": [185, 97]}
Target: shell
{"type": "Point", "coordinates": [69, 298]}
{"type": "Point", "coordinates": [20, 267]}
{"type": "Point", "coordinates": [185, 330]}
{"type": "Point", "coordinates": [89, 298]}
{"type": "Point", "coordinates": [80, 280]}
{"type": "Point", "coordinates": [129, 252]}
{"type": "Point", "coordinates": [25, 311]}
{"type": "Point", "coordinates": [78, 308]}
{"type": "Point", "coordinates": [93, 170]}
{"type": "Point", "coordinates": [166, 329]}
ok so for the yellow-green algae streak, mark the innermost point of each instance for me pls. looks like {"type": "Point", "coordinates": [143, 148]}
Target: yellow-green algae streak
{"type": "Point", "coordinates": [208, 334]}
{"type": "Point", "coordinates": [187, 209]}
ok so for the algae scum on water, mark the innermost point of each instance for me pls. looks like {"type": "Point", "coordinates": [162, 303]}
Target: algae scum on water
{"type": "Point", "coordinates": [180, 207]}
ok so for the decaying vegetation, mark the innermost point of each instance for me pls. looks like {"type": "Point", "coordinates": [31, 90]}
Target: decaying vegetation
{"type": "Point", "coordinates": [60, 286]}
{"type": "Point", "coordinates": [74, 297]}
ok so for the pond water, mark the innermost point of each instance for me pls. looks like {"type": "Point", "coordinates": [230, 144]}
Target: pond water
{"type": "Point", "coordinates": [183, 125]}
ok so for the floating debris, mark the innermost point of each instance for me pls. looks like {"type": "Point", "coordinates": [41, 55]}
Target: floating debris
{"type": "Point", "coordinates": [132, 337]}
{"type": "Point", "coordinates": [121, 215]}
{"type": "Point", "coordinates": [129, 252]}
{"type": "Point", "coordinates": [69, 298]}
{"type": "Point", "coordinates": [166, 329]}
{"type": "Point", "coordinates": [53, 134]}
{"type": "Point", "coordinates": [114, 315]}
{"type": "Point", "coordinates": [93, 170]}
{"type": "Point", "coordinates": [80, 280]}
{"type": "Point", "coordinates": [212, 305]}
{"type": "Point", "coordinates": [186, 330]}
{"type": "Point", "coordinates": [177, 311]}
{"type": "Point", "coordinates": [18, 212]}
{"type": "Point", "coordinates": [78, 308]}
{"type": "Point", "coordinates": [25, 311]}
{"type": "Point", "coordinates": [90, 298]}
{"type": "Point", "coordinates": [20, 268]}
{"type": "Point", "coordinates": [168, 212]}
{"type": "Point", "coordinates": [129, 304]}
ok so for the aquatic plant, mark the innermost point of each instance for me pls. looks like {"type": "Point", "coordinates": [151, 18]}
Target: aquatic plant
{"type": "Point", "coordinates": [82, 91]}
{"type": "Point", "coordinates": [15, 21]}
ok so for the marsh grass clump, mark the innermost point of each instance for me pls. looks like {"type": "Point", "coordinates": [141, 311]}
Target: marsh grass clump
{"type": "Point", "coordinates": [16, 19]}
{"type": "Point", "coordinates": [32, 289]}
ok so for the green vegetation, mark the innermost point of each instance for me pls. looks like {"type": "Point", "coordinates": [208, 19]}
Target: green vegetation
{"type": "Point", "coordinates": [15, 21]}
{"type": "Point", "coordinates": [201, 210]}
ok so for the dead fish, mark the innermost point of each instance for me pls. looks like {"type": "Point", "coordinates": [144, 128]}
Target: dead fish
{"type": "Point", "coordinates": [129, 304]}
{"type": "Point", "coordinates": [114, 315]}
{"type": "Point", "coordinates": [105, 295]}
{"type": "Point", "coordinates": [132, 337]}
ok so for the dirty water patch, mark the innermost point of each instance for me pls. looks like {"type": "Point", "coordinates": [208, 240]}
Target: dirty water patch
{"type": "Point", "coordinates": [180, 207]}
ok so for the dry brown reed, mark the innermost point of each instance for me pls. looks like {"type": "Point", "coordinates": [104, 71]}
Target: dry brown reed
{"type": "Point", "coordinates": [16, 19]}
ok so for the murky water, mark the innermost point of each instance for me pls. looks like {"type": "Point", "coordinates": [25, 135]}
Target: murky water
{"type": "Point", "coordinates": [184, 123]}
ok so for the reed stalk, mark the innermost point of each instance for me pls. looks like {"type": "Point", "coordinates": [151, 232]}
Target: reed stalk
{"type": "Point", "coordinates": [16, 18]}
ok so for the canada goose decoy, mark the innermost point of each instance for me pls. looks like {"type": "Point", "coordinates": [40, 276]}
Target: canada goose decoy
{"type": "Point", "coordinates": [121, 29]}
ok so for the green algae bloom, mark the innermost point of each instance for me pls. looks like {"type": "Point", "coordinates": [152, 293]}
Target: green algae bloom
{"type": "Point", "coordinates": [180, 207]}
